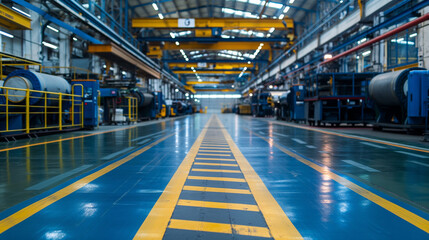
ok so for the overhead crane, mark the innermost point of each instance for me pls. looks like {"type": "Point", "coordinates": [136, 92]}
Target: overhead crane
{"type": "Point", "coordinates": [217, 46]}
{"type": "Point", "coordinates": [221, 72]}
{"type": "Point", "coordinates": [226, 65]}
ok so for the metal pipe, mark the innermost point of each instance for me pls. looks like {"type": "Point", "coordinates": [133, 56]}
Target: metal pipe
{"type": "Point", "coordinates": [379, 38]}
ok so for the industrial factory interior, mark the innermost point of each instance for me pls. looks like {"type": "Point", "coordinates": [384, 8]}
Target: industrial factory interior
{"type": "Point", "coordinates": [204, 119]}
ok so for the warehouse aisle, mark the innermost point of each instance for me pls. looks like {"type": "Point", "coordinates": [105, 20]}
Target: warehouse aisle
{"type": "Point", "coordinates": [231, 177]}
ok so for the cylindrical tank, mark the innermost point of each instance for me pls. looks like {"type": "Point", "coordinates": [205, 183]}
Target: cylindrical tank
{"type": "Point", "coordinates": [390, 89]}
{"type": "Point", "coordinates": [143, 99]}
{"type": "Point", "coordinates": [34, 81]}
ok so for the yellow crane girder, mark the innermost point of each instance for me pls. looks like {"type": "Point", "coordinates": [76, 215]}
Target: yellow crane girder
{"type": "Point", "coordinates": [226, 72]}
{"type": "Point", "coordinates": [225, 23]}
{"type": "Point", "coordinates": [230, 65]}
{"type": "Point", "coordinates": [217, 46]}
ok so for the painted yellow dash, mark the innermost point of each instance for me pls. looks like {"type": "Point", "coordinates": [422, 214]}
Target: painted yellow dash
{"type": "Point", "coordinates": [220, 143]}
{"type": "Point", "coordinates": [218, 190]}
{"type": "Point", "coordinates": [221, 151]}
{"type": "Point", "coordinates": [156, 222]}
{"type": "Point", "coordinates": [215, 154]}
{"type": "Point", "coordinates": [216, 164]}
{"type": "Point", "coordinates": [217, 148]}
{"type": "Point", "coordinates": [279, 224]}
{"type": "Point", "coordinates": [223, 179]}
{"type": "Point", "coordinates": [216, 159]}
{"type": "Point", "coordinates": [214, 145]}
{"type": "Point", "coordinates": [220, 205]}
{"type": "Point", "coordinates": [34, 208]}
{"type": "Point", "coordinates": [219, 228]}
{"type": "Point", "coordinates": [399, 211]}
{"type": "Point", "coordinates": [214, 170]}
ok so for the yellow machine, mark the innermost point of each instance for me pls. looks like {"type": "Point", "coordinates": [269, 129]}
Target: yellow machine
{"type": "Point", "coordinates": [163, 112]}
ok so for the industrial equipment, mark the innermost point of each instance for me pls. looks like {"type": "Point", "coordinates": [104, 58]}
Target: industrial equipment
{"type": "Point", "coordinates": [290, 106]}
{"type": "Point", "coordinates": [91, 92]}
{"type": "Point", "coordinates": [335, 98]}
{"type": "Point", "coordinates": [262, 104]}
{"type": "Point", "coordinates": [401, 99]}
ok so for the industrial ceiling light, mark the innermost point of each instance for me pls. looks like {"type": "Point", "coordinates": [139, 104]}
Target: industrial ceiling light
{"type": "Point", "coordinates": [172, 35]}
{"type": "Point", "coordinates": [413, 35]}
{"type": "Point", "coordinates": [327, 56]}
{"type": "Point", "coordinates": [53, 29]}
{"type": "Point", "coordinates": [6, 34]}
{"type": "Point", "coordinates": [177, 43]}
{"type": "Point", "coordinates": [20, 11]}
{"type": "Point", "coordinates": [155, 6]}
{"type": "Point", "coordinates": [251, 94]}
{"type": "Point", "coordinates": [291, 1]}
{"type": "Point", "coordinates": [281, 16]}
{"type": "Point", "coordinates": [271, 86]}
{"type": "Point", "coordinates": [232, 86]}
{"type": "Point", "coordinates": [160, 16]}
{"type": "Point", "coordinates": [286, 9]}
{"type": "Point", "coordinates": [177, 90]}
{"type": "Point", "coordinates": [49, 45]}
{"type": "Point", "coordinates": [366, 53]}
{"type": "Point", "coordinates": [74, 39]}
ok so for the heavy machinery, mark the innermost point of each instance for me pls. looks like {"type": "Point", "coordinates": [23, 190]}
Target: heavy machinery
{"type": "Point", "coordinates": [336, 98]}
{"type": "Point", "coordinates": [36, 103]}
{"type": "Point", "coordinates": [290, 106]}
{"type": "Point", "coordinates": [262, 104]}
{"type": "Point", "coordinates": [401, 99]}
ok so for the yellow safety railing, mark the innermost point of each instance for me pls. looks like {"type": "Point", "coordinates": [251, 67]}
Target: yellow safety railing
{"type": "Point", "coordinates": [10, 60]}
{"type": "Point", "coordinates": [130, 108]}
{"type": "Point", "coordinates": [52, 110]}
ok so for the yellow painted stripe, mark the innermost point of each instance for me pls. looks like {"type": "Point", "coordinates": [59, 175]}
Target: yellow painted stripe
{"type": "Point", "coordinates": [215, 154]}
{"type": "Point", "coordinates": [220, 205]}
{"type": "Point", "coordinates": [220, 143]}
{"type": "Point", "coordinates": [215, 159]}
{"type": "Point", "coordinates": [214, 170]}
{"type": "Point", "coordinates": [354, 137]}
{"type": "Point", "coordinates": [156, 222]}
{"type": "Point", "coordinates": [403, 213]}
{"type": "Point", "coordinates": [217, 148]}
{"type": "Point", "coordinates": [219, 228]}
{"type": "Point", "coordinates": [217, 164]}
{"type": "Point", "coordinates": [279, 224]}
{"type": "Point", "coordinates": [222, 151]}
{"type": "Point", "coordinates": [223, 179]}
{"type": "Point", "coordinates": [214, 145]}
{"type": "Point", "coordinates": [218, 190]}
{"type": "Point", "coordinates": [34, 208]}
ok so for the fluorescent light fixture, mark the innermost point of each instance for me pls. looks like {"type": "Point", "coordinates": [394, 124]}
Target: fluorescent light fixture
{"type": "Point", "coordinates": [281, 16]}
{"type": "Point", "coordinates": [248, 62]}
{"type": "Point", "coordinates": [366, 53]}
{"type": "Point", "coordinates": [124, 73]}
{"type": "Point", "coordinates": [177, 43]}
{"type": "Point", "coordinates": [362, 40]}
{"type": "Point", "coordinates": [177, 90]}
{"type": "Point", "coordinates": [269, 35]}
{"type": "Point", "coordinates": [6, 34]}
{"type": "Point", "coordinates": [187, 94]}
{"type": "Point", "coordinates": [155, 6]}
{"type": "Point", "coordinates": [199, 80]}
{"type": "Point", "coordinates": [327, 56]}
{"type": "Point", "coordinates": [104, 66]}
{"type": "Point", "coordinates": [271, 30]}
{"type": "Point", "coordinates": [20, 11]}
{"type": "Point", "coordinates": [291, 1]}
{"type": "Point", "coordinates": [232, 86]}
{"type": "Point", "coordinates": [286, 9]}
{"type": "Point", "coordinates": [53, 29]}
{"type": "Point", "coordinates": [74, 39]}
{"type": "Point", "coordinates": [172, 35]}
{"type": "Point", "coordinates": [251, 94]}
{"type": "Point", "coordinates": [271, 86]}
{"type": "Point", "coordinates": [239, 13]}
{"type": "Point", "coordinates": [160, 16]}
{"type": "Point", "coordinates": [260, 45]}
{"type": "Point", "coordinates": [192, 68]}
{"type": "Point", "coordinates": [413, 35]}
{"type": "Point", "coordinates": [49, 45]}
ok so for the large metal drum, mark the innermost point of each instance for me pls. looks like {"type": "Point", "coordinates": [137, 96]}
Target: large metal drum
{"type": "Point", "coordinates": [25, 79]}
{"type": "Point", "coordinates": [390, 90]}
{"type": "Point", "coordinates": [143, 99]}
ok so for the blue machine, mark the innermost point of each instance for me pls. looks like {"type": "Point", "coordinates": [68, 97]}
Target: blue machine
{"type": "Point", "coordinates": [418, 87]}
{"type": "Point", "coordinates": [262, 104]}
{"type": "Point", "coordinates": [296, 105]}
{"type": "Point", "coordinates": [91, 90]}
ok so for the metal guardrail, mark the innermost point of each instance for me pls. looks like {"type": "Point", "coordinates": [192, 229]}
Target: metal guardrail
{"type": "Point", "coordinates": [53, 111]}
{"type": "Point", "coordinates": [130, 107]}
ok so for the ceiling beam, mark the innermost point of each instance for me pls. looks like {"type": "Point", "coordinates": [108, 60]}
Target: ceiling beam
{"type": "Point", "coordinates": [212, 72]}
{"type": "Point", "coordinates": [210, 39]}
{"type": "Point", "coordinates": [229, 65]}
{"type": "Point", "coordinates": [167, 60]}
{"type": "Point", "coordinates": [217, 46]}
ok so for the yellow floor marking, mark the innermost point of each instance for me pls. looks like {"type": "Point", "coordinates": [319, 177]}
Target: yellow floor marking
{"type": "Point", "coordinates": [219, 228]}
{"type": "Point", "coordinates": [403, 213]}
{"type": "Point", "coordinates": [219, 148]}
{"type": "Point", "coordinates": [214, 145]}
{"type": "Point", "coordinates": [223, 179]}
{"type": "Point", "coordinates": [219, 190]}
{"type": "Point", "coordinates": [34, 208]}
{"type": "Point", "coordinates": [220, 205]}
{"type": "Point", "coordinates": [215, 154]}
{"type": "Point", "coordinates": [220, 143]}
{"type": "Point", "coordinates": [214, 170]}
{"type": "Point", "coordinates": [156, 222]}
{"type": "Point", "coordinates": [215, 151]}
{"type": "Point", "coordinates": [279, 224]}
{"type": "Point", "coordinates": [216, 159]}
{"type": "Point", "coordinates": [354, 137]}
{"type": "Point", "coordinates": [216, 164]}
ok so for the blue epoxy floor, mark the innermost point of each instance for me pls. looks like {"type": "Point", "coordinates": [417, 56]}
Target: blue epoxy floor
{"type": "Point", "coordinates": [115, 204]}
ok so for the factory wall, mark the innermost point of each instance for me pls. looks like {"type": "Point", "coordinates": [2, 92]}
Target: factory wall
{"type": "Point", "coordinates": [215, 104]}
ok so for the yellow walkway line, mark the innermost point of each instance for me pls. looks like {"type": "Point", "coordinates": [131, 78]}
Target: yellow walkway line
{"type": "Point", "coordinates": [220, 205]}
{"type": "Point", "coordinates": [216, 164]}
{"type": "Point", "coordinates": [222, 151]}
{"type": "Point", "coordinates": [220, 148]}
{"type": "Point", "coordinates": [214, 170]}
{"type": "Point", "coordinates": [223, 179]}
{"type": "Point", "coordinates": [34, 208]}
{"type": "Point", "coordinates": [218, 190]}
{"type": "Point", "coordinates": [215, 154]}
{"type": "Point", "coordinates": [214, 145]}
{"type": "Point", "coordinates": [279, 224]}
{"type": "Point", "coordinates": [219, 228]}
{"type": "Point", "coordinates": [156, 222]}
{"type": "Point", "coordinates": [216, 159]}
{"type": "Point", "coordinates": [403, 213]}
